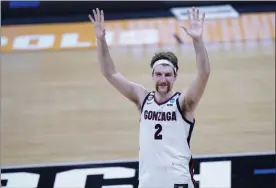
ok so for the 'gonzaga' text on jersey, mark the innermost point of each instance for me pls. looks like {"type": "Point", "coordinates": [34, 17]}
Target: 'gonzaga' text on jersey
{"type": "Point", "coordinates": [164, 156]}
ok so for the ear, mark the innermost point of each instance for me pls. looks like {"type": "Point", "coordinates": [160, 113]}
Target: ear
{"type": "Point", "coordinates": [175, 75]}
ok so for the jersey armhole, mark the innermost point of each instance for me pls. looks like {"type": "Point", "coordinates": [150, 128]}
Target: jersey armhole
{"type": "Point", "coordinates": [182, 114]}
{"type": "Point", "coordinates": [145, 99]}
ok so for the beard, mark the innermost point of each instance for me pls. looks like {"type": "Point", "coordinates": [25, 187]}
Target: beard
{"type": "Point", "coordinates": [160, 84]}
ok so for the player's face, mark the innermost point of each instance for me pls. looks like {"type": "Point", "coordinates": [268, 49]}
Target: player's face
{"type": "Point", "coordinates": [164, 78]}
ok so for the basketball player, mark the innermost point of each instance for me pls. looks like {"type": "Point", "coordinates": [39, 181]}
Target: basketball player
{"type": "Point", "coordinates": [167, 117]}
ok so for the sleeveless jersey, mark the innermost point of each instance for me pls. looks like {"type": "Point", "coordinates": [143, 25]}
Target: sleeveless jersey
{"type": "Point", "coordinates": [164, 155]}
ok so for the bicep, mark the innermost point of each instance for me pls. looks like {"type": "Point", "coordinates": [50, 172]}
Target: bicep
{"type": "Point", "coordinates": [191, 97]}
{"type": "Point", "coordinates": [130, 90]}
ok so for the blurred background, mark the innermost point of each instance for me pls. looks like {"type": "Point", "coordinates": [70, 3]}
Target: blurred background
{"type": "Point", "coordinates": [64, 125]}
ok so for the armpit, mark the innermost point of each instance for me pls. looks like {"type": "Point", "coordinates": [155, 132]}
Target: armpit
{"type": "Point", "coordinates": [188, 105]}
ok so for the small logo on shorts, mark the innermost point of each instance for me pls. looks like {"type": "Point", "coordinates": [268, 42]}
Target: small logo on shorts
{"type": "Point", "coordinates": [180, 185]}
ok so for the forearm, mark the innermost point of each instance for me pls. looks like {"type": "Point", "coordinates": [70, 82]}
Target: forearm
{"type": "Point", "coordinates": [202, 60]}
{"type": "Point", "coordinates": [106, 63]}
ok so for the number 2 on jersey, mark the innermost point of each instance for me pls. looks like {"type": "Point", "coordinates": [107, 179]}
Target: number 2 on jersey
{"type": "Point", "coordinates": [158, 135]}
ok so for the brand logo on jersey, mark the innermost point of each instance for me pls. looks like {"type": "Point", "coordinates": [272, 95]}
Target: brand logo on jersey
{"type": "Point", "coordinates": [160, 116]}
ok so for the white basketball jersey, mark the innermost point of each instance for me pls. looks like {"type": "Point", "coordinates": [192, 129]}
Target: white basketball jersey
{"type": "Point", "coordinates": [164, 156]}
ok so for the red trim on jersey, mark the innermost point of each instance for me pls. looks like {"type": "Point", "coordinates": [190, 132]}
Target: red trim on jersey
{"type": "Point", "coordinates": [160, 103]}
{"type": "Point", "coordinates": [191, 165]}
{"type": "Point", "coordinates": [144, 101]}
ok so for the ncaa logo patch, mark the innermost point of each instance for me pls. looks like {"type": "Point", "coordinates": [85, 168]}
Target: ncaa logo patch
{"type": "Point", "coordinates": [172, 100]}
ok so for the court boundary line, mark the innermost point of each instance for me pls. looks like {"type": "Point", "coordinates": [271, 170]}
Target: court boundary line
{"type": "Point", "coordinates": [129, 160]}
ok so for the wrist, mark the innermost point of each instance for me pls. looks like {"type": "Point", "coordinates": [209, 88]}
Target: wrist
{"type": "Point", "coordinates": [100, 39]}
{"type": "Point", "coordinates": [197, 39]}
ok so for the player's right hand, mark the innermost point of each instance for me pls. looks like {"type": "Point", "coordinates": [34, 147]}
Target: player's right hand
{"type": "Point", "coordinates": [98, 23]}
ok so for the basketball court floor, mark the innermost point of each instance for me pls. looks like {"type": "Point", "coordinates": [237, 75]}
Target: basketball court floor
{"type": "Point", "coordinates": [56, 106]}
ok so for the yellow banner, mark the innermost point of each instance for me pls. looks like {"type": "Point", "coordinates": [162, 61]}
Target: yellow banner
{"type": "Point", "coordinates": [159, 31]}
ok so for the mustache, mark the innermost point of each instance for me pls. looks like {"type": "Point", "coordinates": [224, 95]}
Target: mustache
{"type": "Point", "coordinates": [163, 84]}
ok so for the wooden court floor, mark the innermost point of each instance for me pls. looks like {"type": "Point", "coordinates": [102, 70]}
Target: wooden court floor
{"type": "Point", "coordinates": [56, 106]}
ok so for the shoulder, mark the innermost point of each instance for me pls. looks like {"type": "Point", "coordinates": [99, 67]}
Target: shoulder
{"type": "Point", "coordinates": [148, 96]}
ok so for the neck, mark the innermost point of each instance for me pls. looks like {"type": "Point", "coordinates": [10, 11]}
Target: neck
{"type": "Point", "coordinates": [161, 97]}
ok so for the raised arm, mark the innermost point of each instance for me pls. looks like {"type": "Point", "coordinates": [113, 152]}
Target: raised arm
{"type": "Point", "coordinates": [190, 98]}
{"type": "Point", "coordinates": [130, 90]}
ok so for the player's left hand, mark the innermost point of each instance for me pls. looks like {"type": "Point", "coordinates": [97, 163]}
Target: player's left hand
{"type": "Point", "coordinates": [195, 25]}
